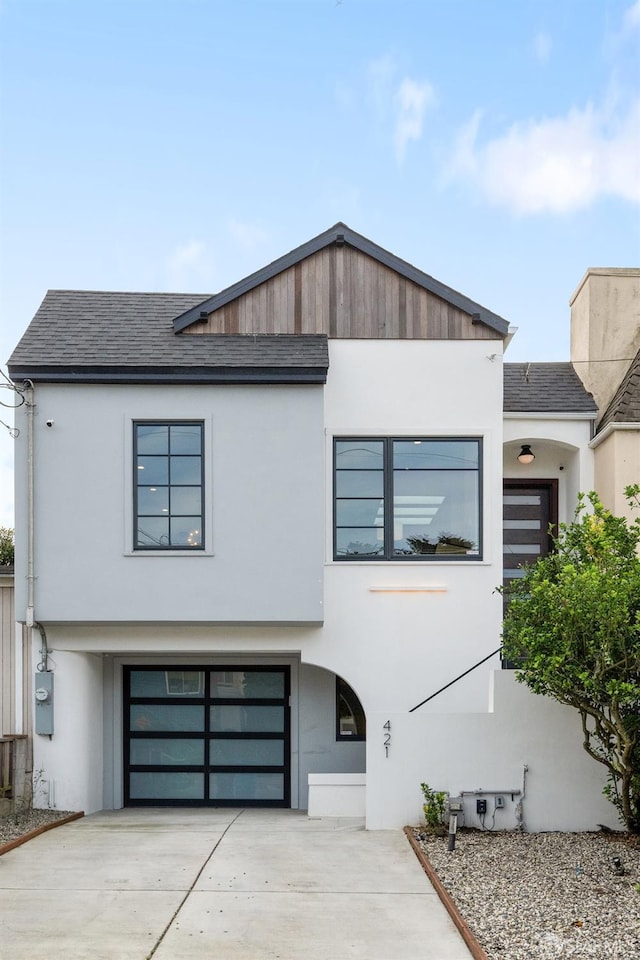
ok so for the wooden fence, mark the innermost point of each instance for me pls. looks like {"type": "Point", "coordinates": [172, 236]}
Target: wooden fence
{"type": "Point", "coordinates": [15, 704]}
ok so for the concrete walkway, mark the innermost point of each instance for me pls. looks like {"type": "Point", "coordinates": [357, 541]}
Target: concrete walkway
{"type": "Point", "coordinates": [220, 885]}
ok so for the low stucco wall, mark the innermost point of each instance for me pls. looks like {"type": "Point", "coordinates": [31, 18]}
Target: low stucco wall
{"type": "Point", "coordinates": [337, 794]}
{"type": "Point", "coordinates": [485, 754]}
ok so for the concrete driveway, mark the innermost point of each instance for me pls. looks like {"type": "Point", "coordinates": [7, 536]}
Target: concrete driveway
{"type": "Point", "coordinates": [220, 885]}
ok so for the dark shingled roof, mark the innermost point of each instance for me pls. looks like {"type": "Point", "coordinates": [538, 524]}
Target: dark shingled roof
{"type": "Point", "coordinates": [84, 336]}
{"type": "Point", "coordinates": [545, 388]}
{"type": "Point", "coordinates": [625, 403]}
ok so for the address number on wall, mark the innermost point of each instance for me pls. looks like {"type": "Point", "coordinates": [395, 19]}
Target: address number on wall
{"type": "Point", "coordinates": [386, 740]}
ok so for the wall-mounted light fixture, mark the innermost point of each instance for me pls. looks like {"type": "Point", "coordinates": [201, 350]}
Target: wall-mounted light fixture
{"type": "Point", "coordinates": [526, 455]}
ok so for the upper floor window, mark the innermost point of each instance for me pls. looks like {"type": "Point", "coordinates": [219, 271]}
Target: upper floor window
{"type": "Point", "coordinates": [409, 498]}
{"type": "Point", "coordinates": [168, 508]}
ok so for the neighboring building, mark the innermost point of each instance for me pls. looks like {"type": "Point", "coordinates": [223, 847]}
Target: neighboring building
{"type": "Point", "coordinates": [605, 351]}
{"type": "Point", "coordinates": [262, 516]}
{"type": "Point", "coordinates": [15, 668]}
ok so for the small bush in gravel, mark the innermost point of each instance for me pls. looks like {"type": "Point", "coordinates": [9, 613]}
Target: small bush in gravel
{"type": "Point", "coordinates": [433, 807]}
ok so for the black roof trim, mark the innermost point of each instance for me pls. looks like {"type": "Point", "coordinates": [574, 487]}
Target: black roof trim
{"type": "Point", "coordinates": [340, 234]}
{"type": "Point", "coordinates": [203, 375]}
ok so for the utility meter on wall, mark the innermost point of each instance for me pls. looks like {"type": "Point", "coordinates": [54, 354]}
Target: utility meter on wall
{"type": "Point", "coordinates": [43, 687]}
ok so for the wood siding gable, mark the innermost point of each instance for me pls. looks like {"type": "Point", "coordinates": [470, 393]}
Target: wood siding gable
{"type": "Point", "coordinates": [343, 293]}
{"type": "Point", "coordinates": [343, 286]}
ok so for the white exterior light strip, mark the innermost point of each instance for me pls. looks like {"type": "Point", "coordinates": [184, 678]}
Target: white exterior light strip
{"type": "Point", "coordinates": [431, 588]}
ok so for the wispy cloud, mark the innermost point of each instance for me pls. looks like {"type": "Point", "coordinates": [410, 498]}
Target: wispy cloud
{"type": "Point", "coordinates": [563, 163]}
{"type": "Point", "coordinates": [412, 101]}
{"type": "Point", "coordinates": [556, 165]}
{"type": "Point", "coordinates": [542, 45]}
{"type": "Point", "coordinates": [380, 84]}
{"type": "Point", "coordinates": [398, 105]}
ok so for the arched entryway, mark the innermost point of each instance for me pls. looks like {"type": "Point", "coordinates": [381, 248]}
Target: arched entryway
{"type": "Point", "coordinates": [331, 731]}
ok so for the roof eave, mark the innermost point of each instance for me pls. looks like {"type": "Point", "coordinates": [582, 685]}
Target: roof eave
{"type": "Point", "coordinates": [614, 427]}
{"type": "Point", "coordinates": [151, 375]}
{"type": "Point", "coordinates": [549, 414]}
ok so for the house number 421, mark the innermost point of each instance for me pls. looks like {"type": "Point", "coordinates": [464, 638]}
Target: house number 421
{"type": "Point", "coordinates": [387, 737]}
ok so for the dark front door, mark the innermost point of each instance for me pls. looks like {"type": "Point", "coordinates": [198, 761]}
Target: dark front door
{"type": "Point", "coordinates": [216, 736]}
{"type": "Point", "coordinates": [530, 515]}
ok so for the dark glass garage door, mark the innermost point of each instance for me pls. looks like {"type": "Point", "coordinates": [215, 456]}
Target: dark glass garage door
{"type": "Point", "coordinates": [206, 736]}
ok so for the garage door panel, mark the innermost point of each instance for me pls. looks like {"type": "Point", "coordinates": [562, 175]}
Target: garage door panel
{"type": "Point", "coordinates": [229, 726]}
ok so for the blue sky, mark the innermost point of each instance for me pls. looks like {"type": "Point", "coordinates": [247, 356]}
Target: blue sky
{"type": "Point", "coordinates": [182, 144]}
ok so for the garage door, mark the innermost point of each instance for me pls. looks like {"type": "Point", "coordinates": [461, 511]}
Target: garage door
{"type": "Point", "coordinates": [197, 736]}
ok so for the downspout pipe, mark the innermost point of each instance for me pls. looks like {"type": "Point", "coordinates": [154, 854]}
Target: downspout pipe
{"type": "Point", "coordinates": [30, 620]}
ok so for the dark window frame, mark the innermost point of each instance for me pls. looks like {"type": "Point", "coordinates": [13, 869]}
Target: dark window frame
{"type": "Point", "coordinates": [346, 692]}
{"type": "Point", "coordinates": [169, 547]}
{"type": "Point", "coordinates": [387, 553]}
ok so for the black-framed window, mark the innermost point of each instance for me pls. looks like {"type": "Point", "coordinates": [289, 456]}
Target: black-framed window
{"type": "Point", "coordinates": [409, 498]}
{"type": "Point", "coordinates": [168, 494]}
{"type": "Point", "coordinates": [350, 719]}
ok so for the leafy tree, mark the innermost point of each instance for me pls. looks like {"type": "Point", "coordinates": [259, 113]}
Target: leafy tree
{"type": "Point", "coordinates": [573, 628]}
{"type": "Point", "coordinates": [6, 547]}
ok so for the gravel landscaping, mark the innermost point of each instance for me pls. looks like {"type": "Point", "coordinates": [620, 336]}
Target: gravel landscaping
{"type": "Point", "coordinates": [545, 896]}
{"type": "Point", "coordinates": [12, 827]}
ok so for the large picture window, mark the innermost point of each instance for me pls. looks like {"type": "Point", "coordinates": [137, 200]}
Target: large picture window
{"type": "Point", "coordinates": [168, 486]}
{"type": "Point", "coordinates": [407, 499]}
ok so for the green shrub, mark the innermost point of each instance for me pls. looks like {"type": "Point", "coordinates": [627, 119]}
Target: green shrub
{"type": "Point", "coordinates": [434, 808]}
{"type": "Point", "coordinates": [7, 548]}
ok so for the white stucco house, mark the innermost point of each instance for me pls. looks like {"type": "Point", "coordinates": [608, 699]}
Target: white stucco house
{"type": "Point", "coordinates": [259, 535]}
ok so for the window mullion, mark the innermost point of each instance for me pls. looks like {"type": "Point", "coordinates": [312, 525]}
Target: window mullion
{"type": "Point", "coordinates": [388, 499]}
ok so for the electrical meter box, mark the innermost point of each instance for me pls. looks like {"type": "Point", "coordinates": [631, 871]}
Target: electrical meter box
{"type": "Point", "coordinates": [43, 686]}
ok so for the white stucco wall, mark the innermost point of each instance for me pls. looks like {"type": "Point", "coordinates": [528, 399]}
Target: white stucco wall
{"type": "Point", "coordinates": [617, 465]}
{"type": "Point", "coordinates": [450, 749]}
{"type": "Point", "coordinates": [416, 624]}
{"type": "Point", "coordinates": [396, 631]}
{"type": "Point", "coordinates": [68, 766]}
{"type": "Point", "coordinates": [488, 752]}
{"type": "Point", "coordinates": [264, 465]}
{"type": "Point", "coordinates": [561, 448]}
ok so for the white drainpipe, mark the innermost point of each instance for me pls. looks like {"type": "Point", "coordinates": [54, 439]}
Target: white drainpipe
{"type": "Point", "coordinates": [30, 404]}
{"type": "Point", "coordinates": [30, 619]}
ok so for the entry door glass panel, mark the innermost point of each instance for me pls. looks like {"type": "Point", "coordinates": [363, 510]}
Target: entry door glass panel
{"type": "Point", "coordinates": [526, 518]}
{"type": "Point", "coordinates": [228, 730]}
